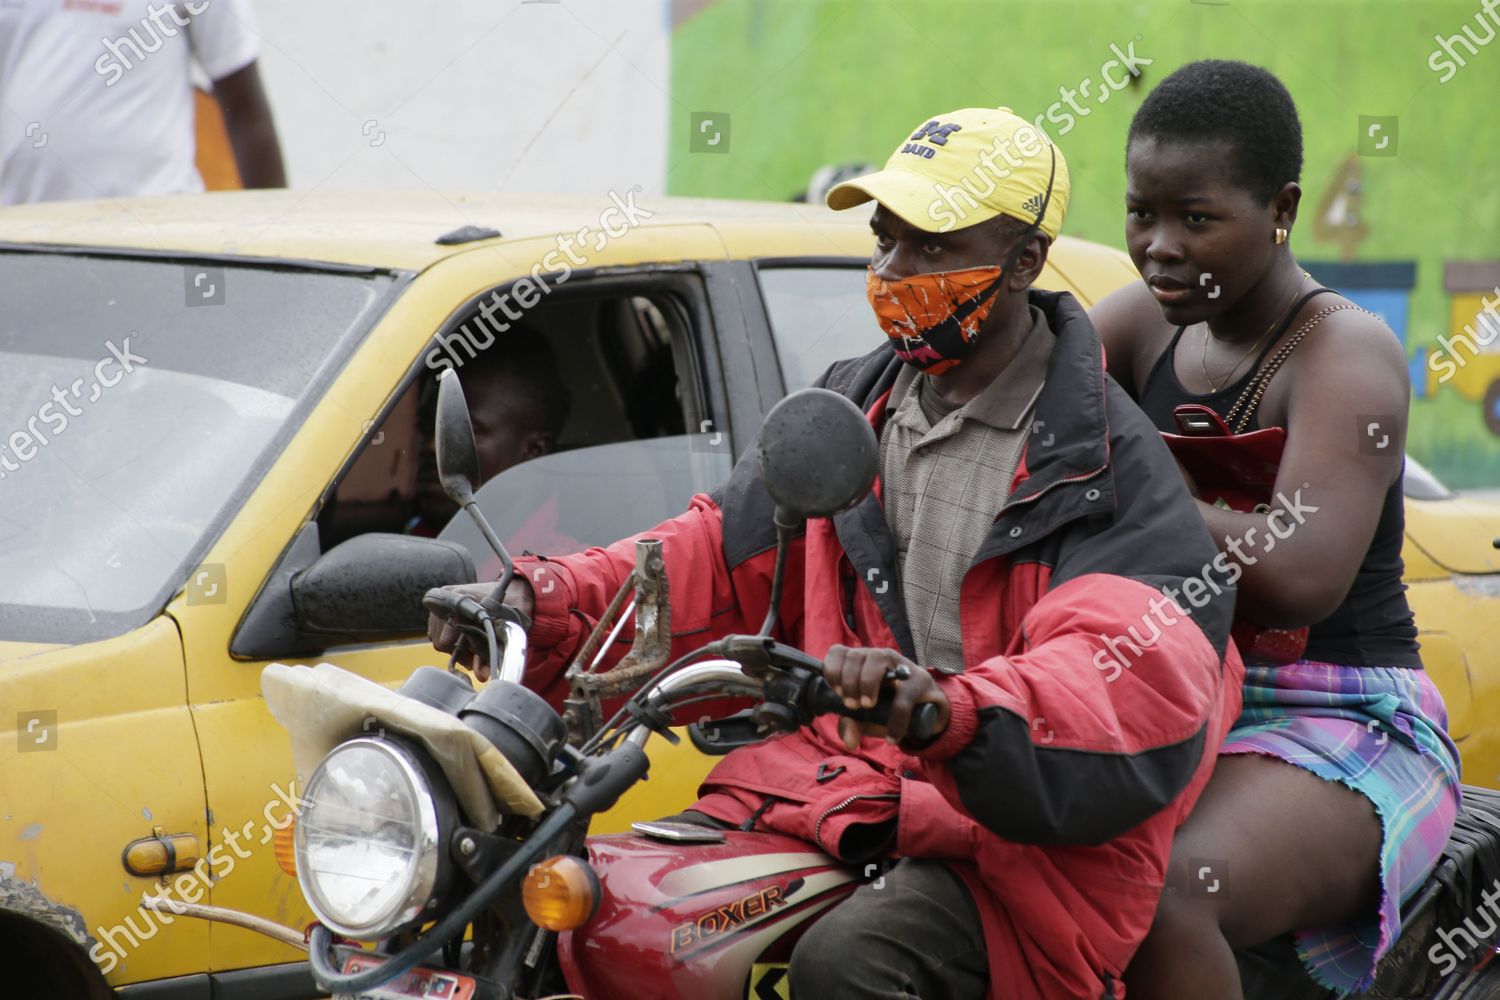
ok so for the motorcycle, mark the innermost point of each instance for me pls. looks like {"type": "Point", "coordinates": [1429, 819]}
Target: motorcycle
{"type": "Point", "coordinates": [448, 826]}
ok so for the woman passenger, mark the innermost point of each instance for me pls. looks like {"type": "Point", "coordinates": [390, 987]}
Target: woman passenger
{"type": "Point", "coordinates": [1337, 789]}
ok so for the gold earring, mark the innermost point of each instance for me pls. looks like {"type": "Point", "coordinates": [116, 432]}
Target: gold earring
{"type": "Point", "coordinates": [1281, 235]}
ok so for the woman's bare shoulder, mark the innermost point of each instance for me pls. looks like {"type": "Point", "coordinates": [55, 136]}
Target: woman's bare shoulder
{"type": "Point", "coordinates": [1350, 360]}
{"type": "Point", "coordinates": [1131, 326]}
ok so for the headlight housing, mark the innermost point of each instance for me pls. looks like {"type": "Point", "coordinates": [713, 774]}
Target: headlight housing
{"type": "Point", "coordinates": [370, 839]}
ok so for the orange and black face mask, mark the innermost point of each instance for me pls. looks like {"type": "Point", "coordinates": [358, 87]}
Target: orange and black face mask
{"type": "Point", "coordinates": [934, 319]}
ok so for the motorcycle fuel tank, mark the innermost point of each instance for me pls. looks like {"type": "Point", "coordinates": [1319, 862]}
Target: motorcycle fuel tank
{"type": "Point", "coordinates": [693, 920]}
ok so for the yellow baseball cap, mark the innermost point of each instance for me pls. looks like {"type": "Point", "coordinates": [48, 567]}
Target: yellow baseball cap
{"type": "Point", "coordinates": [963, 168]}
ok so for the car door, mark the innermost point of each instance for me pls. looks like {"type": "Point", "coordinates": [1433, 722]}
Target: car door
{"type": "Point", "coordinates": [626, 467]}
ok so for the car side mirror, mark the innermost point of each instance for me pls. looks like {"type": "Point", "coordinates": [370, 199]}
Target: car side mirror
{"type": "Point", "coordinates": [371, 586]}
{"type": "Point", "coordinates": [368, 589]}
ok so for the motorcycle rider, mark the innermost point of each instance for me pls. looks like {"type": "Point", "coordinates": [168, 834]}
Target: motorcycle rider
{"type": "Point", "coordinates": [1029, 556]}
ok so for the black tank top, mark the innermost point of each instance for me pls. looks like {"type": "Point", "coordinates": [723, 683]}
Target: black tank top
{"type": "Point", "coordinates": [1373, 625]}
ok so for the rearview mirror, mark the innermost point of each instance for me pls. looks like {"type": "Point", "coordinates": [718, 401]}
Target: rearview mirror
{"type": "Point", "coordinates": [457, 455]}
{"type": "Point", "coordinates": [458, 469]}
{"type": "Point", "coordinates": [817, 455]}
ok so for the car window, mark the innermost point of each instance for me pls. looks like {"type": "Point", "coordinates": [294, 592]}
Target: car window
{"type": "Point", "coordinates": [577, 499]}
{"type": "Point", "coordinates": [139, 401]}
{"type": "Point", "coordinates": [818, 315]}
{"type": "Point", "coordinates": [582, 410]}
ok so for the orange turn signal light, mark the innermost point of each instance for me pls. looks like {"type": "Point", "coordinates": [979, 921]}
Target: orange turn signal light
{"type": "Point", "coordinates": [283, 843]}
{"type": "Point", "coordinates": [160, 854]}
{"type": "Point", "coordinates": [560, 893]}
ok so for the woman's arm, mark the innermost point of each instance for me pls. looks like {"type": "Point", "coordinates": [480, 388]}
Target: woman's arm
{"type": "Point", "coordinates": [1346, 414]}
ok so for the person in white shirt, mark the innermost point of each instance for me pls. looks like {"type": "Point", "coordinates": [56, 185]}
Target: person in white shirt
{"type": "Point", "coordinates": [96, 97]}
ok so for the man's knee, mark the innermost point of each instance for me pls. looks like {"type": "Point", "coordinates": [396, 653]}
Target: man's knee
{"type": "Point", "coordinates": [918, 931]}
{"type": "Point", "coordinates": [821, 964]}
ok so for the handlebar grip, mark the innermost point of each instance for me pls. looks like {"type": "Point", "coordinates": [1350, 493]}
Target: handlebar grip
{"type": "Point", "coordinates": [494, 603]}
{"type": "Point", "coordinates": [473, 618]}
{"type": "Point", "coordinates": [451, 604]}
{"type": "Point", "coordinates": [920, 728]}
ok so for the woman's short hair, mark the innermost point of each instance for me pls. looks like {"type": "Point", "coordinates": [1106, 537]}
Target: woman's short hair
{"type": "Point", "coordinates": [1233, 102]}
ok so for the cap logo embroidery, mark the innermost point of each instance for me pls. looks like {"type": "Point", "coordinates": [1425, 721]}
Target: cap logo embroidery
{"type": "Point", "coordinates": [1033, 204]}
{"type": "Point", "coordinates": [931, 132]}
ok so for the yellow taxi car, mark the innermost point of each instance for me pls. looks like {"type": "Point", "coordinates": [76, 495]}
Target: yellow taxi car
{"type": "Point", "coordinates": [213, 412]}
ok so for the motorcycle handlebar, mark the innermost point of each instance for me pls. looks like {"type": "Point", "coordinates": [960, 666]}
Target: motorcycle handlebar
{"type": "Point", "coordinates": [724, 675]}
{"type": "Point", "coordinates": [729, 677]}
{"type": "Point", "coordinates": [452, 604]}
{"type": "Point", "coordinates": [920, 727]}
{"type": "Point", "coordinates": [506, 652]}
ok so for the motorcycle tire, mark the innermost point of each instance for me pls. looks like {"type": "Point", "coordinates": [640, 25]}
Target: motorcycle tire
{"type": "Point", "coordinates": [1481, 985]}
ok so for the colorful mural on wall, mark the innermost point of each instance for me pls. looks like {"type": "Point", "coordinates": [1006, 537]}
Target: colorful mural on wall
{"type": "Point", "coordinates": [1467, 356]}
{"type": "Point", "coordinates": [1401, 205]}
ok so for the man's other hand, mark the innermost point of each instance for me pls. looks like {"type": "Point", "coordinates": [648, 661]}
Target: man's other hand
{"type": "Point", "coordinates": [859, 674]}
{"type": "Point", "coordinates": [444, 636]}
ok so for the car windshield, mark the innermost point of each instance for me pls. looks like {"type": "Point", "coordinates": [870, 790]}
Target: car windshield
{"type": "Point", "coordinates": [139, 401]}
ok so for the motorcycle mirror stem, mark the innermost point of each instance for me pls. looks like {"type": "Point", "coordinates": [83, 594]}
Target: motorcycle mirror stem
{"type": "Point", "coordinates": [817, 455]}
{"type": "Point", "coordinates": [458, 471]}
{"type": "Point", "coordinates": [783, 543]}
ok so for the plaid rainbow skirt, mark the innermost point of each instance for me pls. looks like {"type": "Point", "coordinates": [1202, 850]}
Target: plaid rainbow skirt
{"type": "Point", "coordinates": [1381, 731]}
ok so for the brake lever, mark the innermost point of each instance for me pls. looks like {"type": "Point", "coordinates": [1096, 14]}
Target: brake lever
{"type": "Point", "coordinates": [508, 613]}
{"type": "Point", "coordinates": [760, 655]}
{"type": "Point", "coordinates": [475, 619]}
{"type": "Point", "coordinates": [451, 604]}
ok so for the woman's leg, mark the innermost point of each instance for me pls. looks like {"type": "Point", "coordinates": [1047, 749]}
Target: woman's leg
{"type": "Point", "coordinates": [1269, 848]}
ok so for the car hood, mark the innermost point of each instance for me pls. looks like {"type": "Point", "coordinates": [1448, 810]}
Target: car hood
{"type": "Point", "coordinates": [10, 651]}
{"type": "Point", "coordinates": [1457, 533]}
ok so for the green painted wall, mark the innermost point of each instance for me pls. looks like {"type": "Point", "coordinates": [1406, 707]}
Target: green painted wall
{"type": "Point", "coordinates": [810, 82]}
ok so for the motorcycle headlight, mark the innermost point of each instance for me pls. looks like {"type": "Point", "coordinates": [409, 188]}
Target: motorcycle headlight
{"type": "Point", "coordinates": [368, 842]}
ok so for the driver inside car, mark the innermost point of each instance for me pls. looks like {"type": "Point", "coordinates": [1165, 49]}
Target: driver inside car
{"type": "Point", "coordinates": [519, 409]}
{"type": "Point", "coordinates": [1031, 558]}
